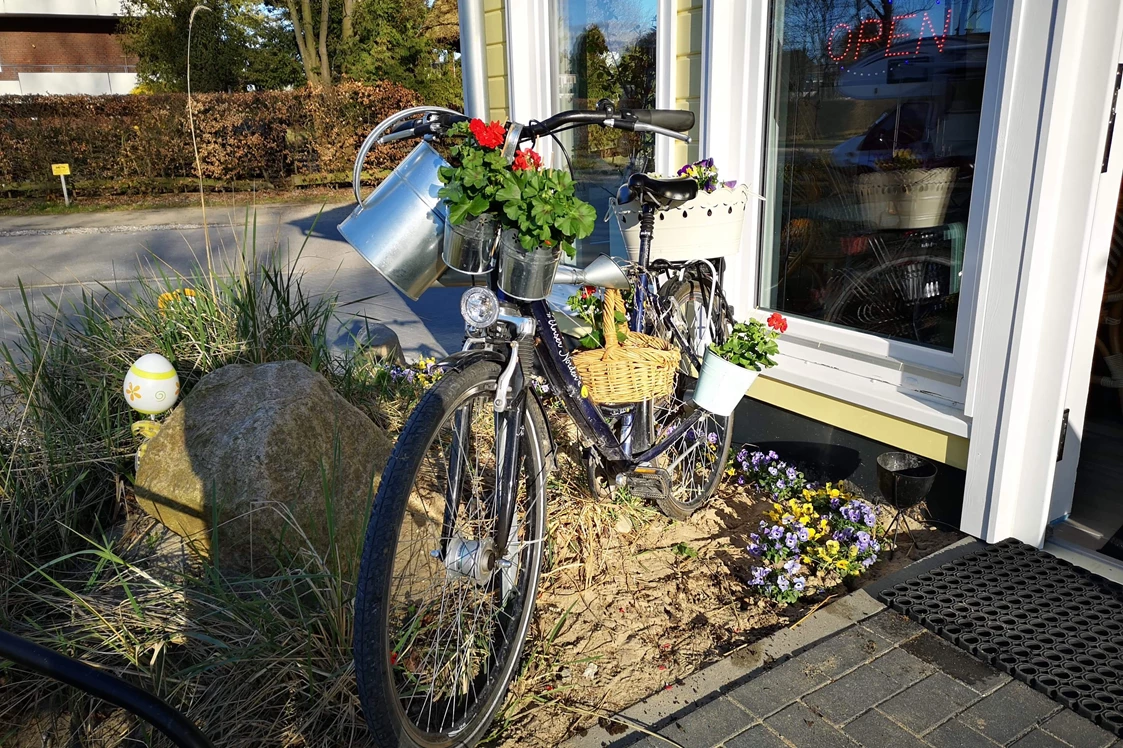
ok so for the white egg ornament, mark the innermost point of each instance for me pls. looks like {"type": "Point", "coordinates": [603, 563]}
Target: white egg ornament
{"type": "Point", "coordinates": [151, 386]}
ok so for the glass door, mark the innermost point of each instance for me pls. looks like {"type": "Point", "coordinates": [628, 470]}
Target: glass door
{"type": "Point", "coordinates": [605, 49]}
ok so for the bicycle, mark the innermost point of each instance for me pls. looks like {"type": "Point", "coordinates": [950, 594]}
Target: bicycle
{"type": "Point", "coordinates": [454, 545]}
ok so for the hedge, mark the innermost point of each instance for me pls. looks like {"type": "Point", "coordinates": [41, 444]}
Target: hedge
{"type": "Point", "coordinates": [142, 143]}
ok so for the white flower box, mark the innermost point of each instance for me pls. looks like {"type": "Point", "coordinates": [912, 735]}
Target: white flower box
{"type": "Point", "coordinates": [707, 227]}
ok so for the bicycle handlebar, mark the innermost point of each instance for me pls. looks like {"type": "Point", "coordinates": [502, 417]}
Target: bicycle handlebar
{"type": "Point", "coordinates": [669, 122]}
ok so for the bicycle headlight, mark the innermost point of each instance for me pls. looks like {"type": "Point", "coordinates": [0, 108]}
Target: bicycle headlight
{"type": "Point", "coordinates": [479, 307]}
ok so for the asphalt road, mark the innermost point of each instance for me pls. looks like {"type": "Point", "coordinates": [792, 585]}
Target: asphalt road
{"type": "Point", "coordinates": [57, 257]}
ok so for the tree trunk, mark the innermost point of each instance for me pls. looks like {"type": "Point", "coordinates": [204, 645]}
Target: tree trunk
{"type": "Point", "coordinates": [301, 27]}
{"type": "Point", "coordinates": [325, 67]}
{"type": "Point", "coordinates": [348, 11]}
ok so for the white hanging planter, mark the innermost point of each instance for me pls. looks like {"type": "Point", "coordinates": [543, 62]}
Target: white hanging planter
{"type": "Point", "coordinates": [721, 385]}
{"type": "Point", "coordinates": [906, 199]}
{"type": "Point", "coordinates": [705, 228]}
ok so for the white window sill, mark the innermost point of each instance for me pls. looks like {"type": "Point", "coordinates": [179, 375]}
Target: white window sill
{"type": "Point", "coordinates": [882, 397]}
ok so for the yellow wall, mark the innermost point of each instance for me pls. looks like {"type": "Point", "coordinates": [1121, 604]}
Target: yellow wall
{"type": "Point", "coordinates": [896, 432]}
{"type": "Point", "coordinates": [688, 72]}
{"type": "Point", "coordinates": [495, 38]}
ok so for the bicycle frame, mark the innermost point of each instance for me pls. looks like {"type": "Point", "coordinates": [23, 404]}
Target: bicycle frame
{"type": "Point", "coordinates": [565, 381]}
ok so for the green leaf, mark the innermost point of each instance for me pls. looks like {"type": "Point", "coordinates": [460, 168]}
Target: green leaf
{"type": "Point", "coordinates": [454, 192]}
{"type": "Point", "coordinates": [479, 204]}
{"type": "Point", "coordinates": [542, 212]}
{"type": "Point", "coordinates": [458, 213]}
{"type": "Point", "coordinates": [509, 191]}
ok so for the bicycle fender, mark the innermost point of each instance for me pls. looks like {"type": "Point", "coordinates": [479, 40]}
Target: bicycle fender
{"type": "Point", "coordinates": [463, 359]}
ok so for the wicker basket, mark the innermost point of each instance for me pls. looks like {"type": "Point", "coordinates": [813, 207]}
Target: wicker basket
{"type": "Point", "coordinates": [640, 368]}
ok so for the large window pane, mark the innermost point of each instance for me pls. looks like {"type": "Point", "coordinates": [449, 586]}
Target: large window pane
{"type": "Point", "coordinates": [876, 109]}
{"type": "Point", "coordinates": [606, 50]}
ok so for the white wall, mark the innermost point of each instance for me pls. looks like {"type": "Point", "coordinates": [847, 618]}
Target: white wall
{"type": "Point", "coordinates": [70, 83]}
{"type": "Point", "coordinates": [61, 7]}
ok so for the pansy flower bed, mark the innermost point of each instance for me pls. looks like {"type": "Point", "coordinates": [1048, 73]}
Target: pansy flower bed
{"type": "Point", "coordinates": [812, 542]}
{"type": "Point", "coordinates": [772, 476]}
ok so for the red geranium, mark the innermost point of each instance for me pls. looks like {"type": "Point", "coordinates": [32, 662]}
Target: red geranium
{"type": "Point", "coordinates": [777, 322]}
{"type": "Point", "coordinates": [489, 136]}
{"type": "Point", "coordinates": [527, 159]}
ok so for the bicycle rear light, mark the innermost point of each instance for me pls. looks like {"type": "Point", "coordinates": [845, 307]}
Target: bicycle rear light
{"type": "Point", "coordinates": [479, 307]}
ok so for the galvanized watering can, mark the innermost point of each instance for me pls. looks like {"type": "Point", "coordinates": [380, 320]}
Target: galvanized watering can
{"type": "Point", "coordinates": [400, 228]}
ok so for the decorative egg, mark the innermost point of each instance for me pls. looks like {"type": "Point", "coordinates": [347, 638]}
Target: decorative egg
{"type": "Point", "coordinates": [151, 386]}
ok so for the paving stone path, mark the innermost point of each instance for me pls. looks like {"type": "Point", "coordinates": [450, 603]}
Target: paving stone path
{"type": "Point", "coordinates": [883, 682]}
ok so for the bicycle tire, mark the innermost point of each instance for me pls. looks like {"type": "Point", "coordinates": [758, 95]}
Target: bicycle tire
{"type": "Point", "coordinates": [382, 667]}
{"type": "Point", "coordinates": [692, 487]}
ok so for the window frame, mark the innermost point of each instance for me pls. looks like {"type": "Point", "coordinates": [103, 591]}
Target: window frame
{"type": "Point", "coordinates": [878, 365]}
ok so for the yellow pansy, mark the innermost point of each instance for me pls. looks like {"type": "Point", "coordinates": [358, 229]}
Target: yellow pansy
{"type": "Point", "coordinates": [810, 534]}
{"type": "Point", "coordinates": [777, 507]}
{"type": "Point", "coordinates": [853, 551]}
{"type": "Point", "coordinates": [842, 564]}
{"type": "Point", "coordinates": [835, 493]}
{"type": "Point", "coordinates": [832, 547]}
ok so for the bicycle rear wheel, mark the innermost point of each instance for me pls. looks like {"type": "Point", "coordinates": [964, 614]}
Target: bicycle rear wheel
{"type": "Point", "coordinates": [697, 458]}
{"type": "Point", "coordinates": [440, 619]}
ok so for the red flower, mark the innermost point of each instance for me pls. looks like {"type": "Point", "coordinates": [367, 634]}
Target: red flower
{"type": "Point", "coordinates": [527, 159]}
{"type": "Point", "coordinates": [777, 322]}
{"type": "Point", "coordinates": [588, 291]}
{"type": "Point", "coordinates": [489, 136]}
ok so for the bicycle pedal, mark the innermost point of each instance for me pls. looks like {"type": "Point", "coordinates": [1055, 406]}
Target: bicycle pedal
{"type": "Point", "coordinates": [646, 482]}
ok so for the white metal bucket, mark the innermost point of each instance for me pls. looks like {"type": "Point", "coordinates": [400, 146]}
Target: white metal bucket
{"type": "Point", "coordinates": [721, 385]}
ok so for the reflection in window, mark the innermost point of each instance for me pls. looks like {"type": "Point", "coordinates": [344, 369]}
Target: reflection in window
{"type": "Point", "coordinates": [871, 161]}
{"type": "Point", "coordinates": [606, 50]}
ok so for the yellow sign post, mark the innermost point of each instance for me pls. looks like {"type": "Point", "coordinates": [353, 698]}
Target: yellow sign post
{"type": "Point", "coordinates": [60, 171]}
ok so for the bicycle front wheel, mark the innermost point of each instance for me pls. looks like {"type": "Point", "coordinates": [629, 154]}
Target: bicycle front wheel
{"type": "Point", "coordinates": [440, 616]}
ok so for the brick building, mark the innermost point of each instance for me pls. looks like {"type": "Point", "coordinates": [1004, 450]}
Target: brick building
{"type": "Point", "coordinates": [63, 47]}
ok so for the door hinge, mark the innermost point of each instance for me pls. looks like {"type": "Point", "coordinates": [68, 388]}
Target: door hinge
{"type": "Point", "coordinates": [1064, 435]}
{"type": "Point", "coordinates": [1111, 118]}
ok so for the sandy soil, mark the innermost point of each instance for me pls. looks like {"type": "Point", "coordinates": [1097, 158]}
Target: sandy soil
{"type": "Point", "coordinates": [633, 602]}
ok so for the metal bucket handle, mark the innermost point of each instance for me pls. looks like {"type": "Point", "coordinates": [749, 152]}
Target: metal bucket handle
{"type": "Point", "coordinates": [376, 133]}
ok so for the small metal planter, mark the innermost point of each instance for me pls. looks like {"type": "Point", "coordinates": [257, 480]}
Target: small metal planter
{"type": "Point", "coordinates": [526, 275]}
{"type": "Point", "coordinates": [470, 247]}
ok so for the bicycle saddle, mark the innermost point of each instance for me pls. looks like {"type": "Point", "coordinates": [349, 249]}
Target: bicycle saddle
{"type": "Point", "coordinates": [665, 193]}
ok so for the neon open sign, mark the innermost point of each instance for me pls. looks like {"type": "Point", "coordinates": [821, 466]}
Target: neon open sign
{"type": "Point", "coordinates": [846, 41]}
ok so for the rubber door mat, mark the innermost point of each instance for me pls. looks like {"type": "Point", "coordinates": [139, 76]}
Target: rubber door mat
{"type": "Point", "coordinates": [1047, 623]}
